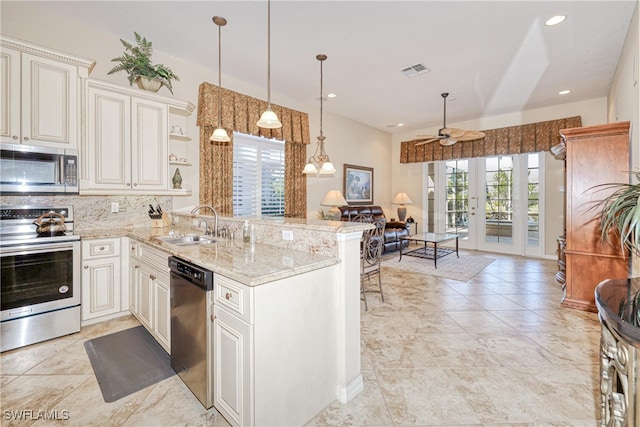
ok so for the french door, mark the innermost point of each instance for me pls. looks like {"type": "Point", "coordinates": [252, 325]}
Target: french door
{"type": "Point", "coordinates": [492, 203]}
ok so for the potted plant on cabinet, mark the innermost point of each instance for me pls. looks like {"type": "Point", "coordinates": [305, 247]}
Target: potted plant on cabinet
{"type": "Point", "coordinates": [136, 62]}
{"type": "Point", "coordinates": [620, 219]}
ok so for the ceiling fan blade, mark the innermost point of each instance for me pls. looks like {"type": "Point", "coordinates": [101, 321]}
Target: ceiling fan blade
{"type": "Point", "coordinates": [448, 142]}
{"type": "Point", "coordinates": [453, 132]}
{"type": "Point", "coordinates": [426, 136]}
{"type": "Point", "coordinates": [471, 135]}
{"type": "Point", "coordinates": [426, 142]}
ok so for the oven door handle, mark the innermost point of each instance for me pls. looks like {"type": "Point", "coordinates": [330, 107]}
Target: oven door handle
{"type": "Point", "coordinates": [39, 248]}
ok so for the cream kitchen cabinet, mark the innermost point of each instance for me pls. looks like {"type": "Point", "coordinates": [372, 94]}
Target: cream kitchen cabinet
{"type": "Point", "coordinates": [127, 148]}
{"type": "Point", "coordinates": [104, 288]}
{"type": "Point", "coordinates": [150, 295]}
{"type": "Point", "coordinates": [269, 349]}
{"type": "Point", "coordinates": [42, 89]}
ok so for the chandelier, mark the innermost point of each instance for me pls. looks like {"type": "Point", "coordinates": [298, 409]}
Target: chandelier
{"type": "Point", "coordinates": [319, 163]}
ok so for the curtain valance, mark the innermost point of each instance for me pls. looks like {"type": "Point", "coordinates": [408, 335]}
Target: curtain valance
{"type": "Point", "coordinates": [529, 138]}
{"type": "Point", "coordinates": [241, 112]}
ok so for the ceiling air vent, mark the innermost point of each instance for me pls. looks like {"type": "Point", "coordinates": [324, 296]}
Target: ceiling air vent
{"type": "Point", "coordinates": [415, 70]}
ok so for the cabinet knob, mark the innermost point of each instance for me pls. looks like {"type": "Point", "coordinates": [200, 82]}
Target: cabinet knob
{"type": "Point", "coordinates": [135, 184]}
{"type": "Point", "coordinates": [102, 248]}
{"type": "Point", "coordinates": [26, 138]}
{"type": "Point", "coordinates": [228, 295]}
{"type": "Point", "coordinates": [136, 266]}
{"type": "Point", "coordinates": [213, 317]}
{"type": "Point", "coordinates": [86, 266]}
{"type": "Point", "coordinates": [14, 137]}
{"type": "Point", "coordinates": [128, 184]}
{"type": "Point", "coordinates": [152, 276]}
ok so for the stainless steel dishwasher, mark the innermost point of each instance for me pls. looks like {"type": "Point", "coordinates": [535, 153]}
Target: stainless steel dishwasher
{"type": "Point", "coordinates": [191, 352]}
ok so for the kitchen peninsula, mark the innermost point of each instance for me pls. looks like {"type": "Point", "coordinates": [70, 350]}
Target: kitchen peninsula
{"type": "Point", "coordinates": [285, 330]}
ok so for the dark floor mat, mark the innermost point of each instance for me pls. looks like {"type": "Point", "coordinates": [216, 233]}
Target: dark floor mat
{"type": "Point", "coordinates": [127, 361]}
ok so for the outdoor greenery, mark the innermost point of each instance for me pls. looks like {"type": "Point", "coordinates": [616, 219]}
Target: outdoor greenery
{"type": "Point", "coordinates": [136, 61]}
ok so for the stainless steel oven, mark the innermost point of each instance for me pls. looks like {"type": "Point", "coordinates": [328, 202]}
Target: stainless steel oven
{"type": "Point", "coordinates": [28, 169]}
{"type": "Point", "coordinates": [40, 278]}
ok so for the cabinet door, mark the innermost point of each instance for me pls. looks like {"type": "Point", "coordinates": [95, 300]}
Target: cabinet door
{"type": "Point", "coordinates": [162, 311]}
{"type": "Point", "coordinates": [145, 296]}
{"type": "Point", "coordinates": [10, 99]}
{"type": "Point", "coordinates": [232, 345]}
{"type": "Point", "coordinates": [101, 287]}
{"type": "Point", "coordinates": [109, 148]}
{"type": "Point", "coordinates": [150, 145]}
{"type": "Point", "coordinates": [49, 102]}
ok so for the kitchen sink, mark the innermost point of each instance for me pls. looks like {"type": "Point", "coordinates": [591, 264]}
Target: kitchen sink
{"type": "Point", "coordinates": [187, 240]}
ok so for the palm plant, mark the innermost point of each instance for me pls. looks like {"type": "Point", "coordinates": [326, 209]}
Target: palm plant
{"type": "Point", "coordinates": [620, 214]}
{"type": "Point", "coordinates": [620, 218]}
{"type": "Point", "coordinates": [136, 62]}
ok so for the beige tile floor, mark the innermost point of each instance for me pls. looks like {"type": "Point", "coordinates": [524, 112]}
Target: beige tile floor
{"type": "Point", "coordinates": [497, 350]}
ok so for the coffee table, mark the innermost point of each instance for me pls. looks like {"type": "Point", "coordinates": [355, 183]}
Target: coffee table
{"type": "Point", "coordinates": [430, 250]}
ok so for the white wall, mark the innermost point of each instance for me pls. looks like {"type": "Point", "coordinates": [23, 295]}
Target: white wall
{"type": "Point", "coordinates": [347, 141]}
{"type": "Point", "coordinates": [409, 177]}
{"type": "Point", "coordinates": [624, 99]}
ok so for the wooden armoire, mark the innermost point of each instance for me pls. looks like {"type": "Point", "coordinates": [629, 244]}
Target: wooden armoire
{"type": "Point", "coordinates": [595, 155]}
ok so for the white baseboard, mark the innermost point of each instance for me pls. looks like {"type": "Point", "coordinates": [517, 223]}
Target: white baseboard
{"type": "Point", "coordinates": [346, 394]}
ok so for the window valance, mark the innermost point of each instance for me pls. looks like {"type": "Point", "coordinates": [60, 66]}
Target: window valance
{"type": "Point", "coordinates": [241, 112]}
{"type": "Point", "coordinates": [529, 138]}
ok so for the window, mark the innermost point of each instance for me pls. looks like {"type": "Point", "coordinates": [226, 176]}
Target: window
{"type": "Point", "coordinates": [258, 176]}
{"type": "Point", "coordinates": [457, 191]}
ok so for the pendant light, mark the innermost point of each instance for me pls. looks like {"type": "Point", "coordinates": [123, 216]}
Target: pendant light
{"type": "Point", "coordinates": [319, 163]}
{"type": "Point", "coordinates": [219, 134]}
{"type": "Point", "coordinates": [269, 119]}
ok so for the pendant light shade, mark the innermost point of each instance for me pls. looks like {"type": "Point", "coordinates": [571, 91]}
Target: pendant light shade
{"type": "Point", "coordinates": [219, 134]}
{"type": "Point", "coordinates": [319, 163]}
{"type": "Point", "coordinates": [269, 119]}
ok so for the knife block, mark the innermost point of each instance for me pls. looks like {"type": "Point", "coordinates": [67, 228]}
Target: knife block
{"type": "Point", "coordinates": [162, 222]}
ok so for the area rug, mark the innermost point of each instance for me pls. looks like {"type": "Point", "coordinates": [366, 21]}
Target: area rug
{"type": "Point", "coordinates": [450, 266]}
{"type": "Point", "coordinates": [127, 361]}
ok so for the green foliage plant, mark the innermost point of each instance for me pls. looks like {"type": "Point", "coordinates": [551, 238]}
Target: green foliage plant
{"type": "Point", "coordinates": [620, 214]}
{"type": "Point", "coordinates": [136, 61]}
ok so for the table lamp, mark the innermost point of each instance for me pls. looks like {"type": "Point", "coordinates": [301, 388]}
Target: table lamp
{"type": "Point", "coordinates": [402, 199]}
{"type": "Point", "coordinates": [334, 199]}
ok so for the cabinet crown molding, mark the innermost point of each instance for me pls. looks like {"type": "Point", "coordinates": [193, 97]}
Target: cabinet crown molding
{"type": "Point", "coordinates": [45, 52]}
{"type": "Point", "coordinates": [173, 103]}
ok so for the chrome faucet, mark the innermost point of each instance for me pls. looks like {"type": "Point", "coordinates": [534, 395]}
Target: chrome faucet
{"type": "Point", "coordinates": [207, 230]}
{"type": "Point", "coordinates": [215, 214]}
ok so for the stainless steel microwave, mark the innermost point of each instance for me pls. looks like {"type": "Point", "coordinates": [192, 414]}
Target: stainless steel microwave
{"type": "Point", "coordinates": [26, 169]}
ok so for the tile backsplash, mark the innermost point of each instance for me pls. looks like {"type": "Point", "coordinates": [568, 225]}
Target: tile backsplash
{"type": "Point", "coordinates": [92, 212]}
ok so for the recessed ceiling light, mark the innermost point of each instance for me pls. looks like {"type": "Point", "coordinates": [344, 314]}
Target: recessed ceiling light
{"type": "Point", "coordinates": [555, 20]}
{"type": "Point", "coordinates": [400, 124]}
{"type": "Point", "coordinates": [564, 92]}
{"type": "Point", "coordinates": [331, 95]}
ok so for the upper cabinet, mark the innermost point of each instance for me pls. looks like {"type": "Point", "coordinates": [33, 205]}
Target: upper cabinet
{"type": "Point", "coordinates": [41, 93]}
{"type": "Point", "coordinates": [127, 146]}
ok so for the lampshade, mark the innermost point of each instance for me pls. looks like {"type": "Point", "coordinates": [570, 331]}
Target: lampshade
{"type": "Point", "coordinates": [269, 119]}
{"type": "Point", "coordinates": [219, 134]}
{"type": "Point", "coordinates": [402, 199]}
{"type": "Point", "coordinates": [327, 168]}
{"type": "Point", "coordinates": [333, 198]}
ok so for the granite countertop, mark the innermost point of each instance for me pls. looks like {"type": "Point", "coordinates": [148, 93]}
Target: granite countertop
{"type": "Point", "coordinates": [249, 264]}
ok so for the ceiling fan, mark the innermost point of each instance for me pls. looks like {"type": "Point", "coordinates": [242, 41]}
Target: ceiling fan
{"type": "Point", "coordinates": [449, 136]}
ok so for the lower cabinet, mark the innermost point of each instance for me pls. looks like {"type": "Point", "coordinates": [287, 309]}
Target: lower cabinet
{"type": "Point", "coordinates": [232, 341]}
{"type": "Point", "coordinates": [274, 349]}
{"type": "Point", "coordinates": [150, 297]}
{"type": "Point", "coordinates": [102, 280]}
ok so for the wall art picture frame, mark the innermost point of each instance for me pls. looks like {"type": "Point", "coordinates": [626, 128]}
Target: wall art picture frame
{"type": "Point", "coordinates": [358, 185]}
